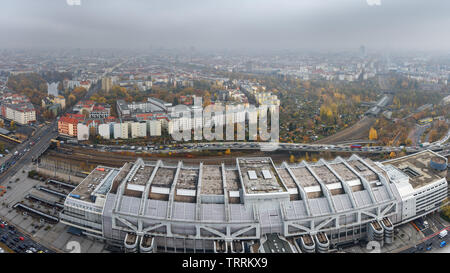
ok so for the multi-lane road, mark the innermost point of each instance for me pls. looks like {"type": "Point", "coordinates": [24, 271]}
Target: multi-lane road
{"type": "Point", "coordinates": [24, 153]}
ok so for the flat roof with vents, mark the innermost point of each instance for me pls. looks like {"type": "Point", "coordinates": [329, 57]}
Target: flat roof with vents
{"type": "Point", "coordinates": [363, 170]}
{"type": "Point", "coordinates": [260, 176]}
{"type": "Point", "coordinates": [417, 168]}
{"type": "Point", "coordinates": [100, 175]}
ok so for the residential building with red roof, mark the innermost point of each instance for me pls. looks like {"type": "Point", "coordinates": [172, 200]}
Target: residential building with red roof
{"type": "Point", "coordinates": [67, 125]}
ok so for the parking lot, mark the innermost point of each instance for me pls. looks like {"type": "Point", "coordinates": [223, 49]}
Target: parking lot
{"type": "Point", "coordinates": [41, 234]}
{"type": "Point", "coordinates": [19, 242]}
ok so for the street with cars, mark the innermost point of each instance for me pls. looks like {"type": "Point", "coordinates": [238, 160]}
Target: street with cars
{"type": "Point", "coordinates": [430, 227]}
{"type": "Point", "coordinates": [293, 147]}
{"type": "Point", "coordinates": [25, 152]}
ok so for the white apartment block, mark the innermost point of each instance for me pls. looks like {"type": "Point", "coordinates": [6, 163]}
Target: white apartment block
{"type": "Point", "coordinates": [142, 129]}
{"type": "Point", "coordinates": [180, 123]}
{"type": "Point", "coordinates": [120, 130]}
{"type": "Point", "coordinates": [104, 130]}
{"type": "Point", "coordinates": [133, 127]}
{"type": "Point", "coordinates": [21, 115]}
{"type": "Point", "coordinates": [154, 127]}
{"type": "Point", "coordinates": [124, 130]}
{"type": "Point", "coordinates": [82, 132]}
{"type": "Point", "coordinates": [117, 130]}
{"type": "Point", "coordinates": [138, 129]}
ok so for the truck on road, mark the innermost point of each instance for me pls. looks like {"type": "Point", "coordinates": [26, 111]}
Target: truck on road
{"type": "Point", "coordinates": [443, 233]}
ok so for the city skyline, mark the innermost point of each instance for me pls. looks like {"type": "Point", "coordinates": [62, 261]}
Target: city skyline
{"type": "Point", "coordinates": [226, 126]}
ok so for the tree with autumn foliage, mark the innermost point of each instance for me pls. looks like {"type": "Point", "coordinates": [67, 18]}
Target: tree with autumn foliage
{"type": "Point", "coordinates": [373, 134]}
{"type": "Point", "coordinates": [292, 159]}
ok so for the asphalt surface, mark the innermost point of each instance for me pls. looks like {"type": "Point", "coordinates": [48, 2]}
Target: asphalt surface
{"type": "Point", "coordinates": [431, 242]}
{"type": "Point", "coordinates": [418, 132]}
{"type": "Point", "coordinates": [9, 236]}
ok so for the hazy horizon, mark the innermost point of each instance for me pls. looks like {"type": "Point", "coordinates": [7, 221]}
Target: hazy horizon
{"type": "Point", "coordinates": [227, 25]}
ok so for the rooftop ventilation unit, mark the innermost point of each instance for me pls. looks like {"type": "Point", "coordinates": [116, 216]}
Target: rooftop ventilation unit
{"type": "Point", "coordinates": [360, 167]}
{"type": "Point", "coordinates": [410, 172]}
{"type": "Point", "coordinates": [252, 175]}
{"type": "Point", "coordinates": [266, 174]}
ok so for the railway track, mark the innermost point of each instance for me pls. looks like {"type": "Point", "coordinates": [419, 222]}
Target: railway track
{"type": "Point", "coordinates": [89, 159]}
{"type": "Point", "coordinates": [114, 159]}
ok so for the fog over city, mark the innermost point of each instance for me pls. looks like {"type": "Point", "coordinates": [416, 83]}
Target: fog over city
{"type": "Point", "coordinates": [232, 24]}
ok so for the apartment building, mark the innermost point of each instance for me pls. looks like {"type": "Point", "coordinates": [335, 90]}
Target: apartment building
{"type": "Point", "coordinates": [22, 113]}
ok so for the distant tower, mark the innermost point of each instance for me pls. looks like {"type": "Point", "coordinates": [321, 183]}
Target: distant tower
{"type": "Point", "coordinates": [106, 84]}
{"type": "Point", "coordinates": [362, 51]}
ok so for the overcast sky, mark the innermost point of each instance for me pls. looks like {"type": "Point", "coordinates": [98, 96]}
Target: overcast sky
{"type": "Point", "coordinates": [227, 24]}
